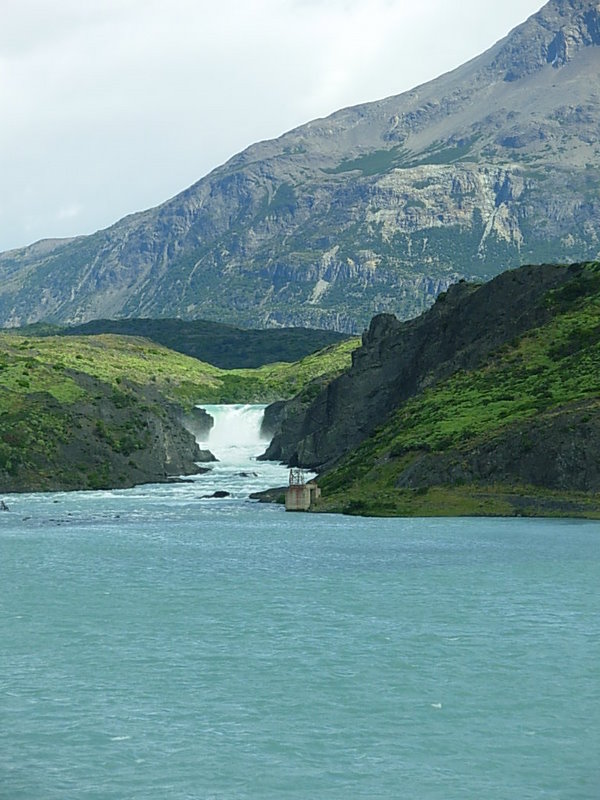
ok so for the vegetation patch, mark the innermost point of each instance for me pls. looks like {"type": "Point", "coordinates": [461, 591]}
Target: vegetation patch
{"type": "Point", "coordinates": [95, 411]}
{"type": "Point", "coordinates": [379, 162]}
{"type": "Point", "coordinates": [215, 343]}
{"type": "Point", "coordinates": [374, 163]}
{"type": "Point", "coordinates": [449, 448]}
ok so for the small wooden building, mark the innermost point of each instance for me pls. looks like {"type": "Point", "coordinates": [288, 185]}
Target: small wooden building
{"type": "Point", "coordinates": [300, 495]}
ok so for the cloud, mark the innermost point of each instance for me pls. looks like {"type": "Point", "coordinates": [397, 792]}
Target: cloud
{"type": "Point", "coordinates": [69, 211]}
{"type": "Point", "coordinates": [123, 103]}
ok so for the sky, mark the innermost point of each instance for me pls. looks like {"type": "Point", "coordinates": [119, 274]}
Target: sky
{"type": "Point", "coordinates": [113, 106]}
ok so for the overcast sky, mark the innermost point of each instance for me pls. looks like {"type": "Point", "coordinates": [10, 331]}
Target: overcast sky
{"type": "Point", "coordinates": [113, 106]}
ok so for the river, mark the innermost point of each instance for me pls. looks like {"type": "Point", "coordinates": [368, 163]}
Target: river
{"type": "Point", "coordinates": [158, 644]}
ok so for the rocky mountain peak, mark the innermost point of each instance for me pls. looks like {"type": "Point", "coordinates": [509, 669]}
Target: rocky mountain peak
{"type": "Point", "coordinates": [552, 36]}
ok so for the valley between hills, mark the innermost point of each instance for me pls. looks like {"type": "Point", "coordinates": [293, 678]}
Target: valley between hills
{"type": "Point", "coordinates": [487, 404]}
{"type": "Point", "coordinates": [457, 225]}
{"type": "Point", "coordinates": [113, 411]}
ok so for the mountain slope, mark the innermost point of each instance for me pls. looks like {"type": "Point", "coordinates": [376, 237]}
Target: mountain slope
{"type": "Point", "coordinates": [375, 208]}
{"type": "Point", "coordinates": [506, 418]}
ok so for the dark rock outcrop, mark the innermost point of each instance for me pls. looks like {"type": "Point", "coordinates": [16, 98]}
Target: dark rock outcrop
{"type": "Point", "coordinates": [272, 419]}
{"type": "Point", "coordinates": [107, 439]}
{"type": "Point", "coordinates": [275, 495]}
{"type": "Point", "coordinates": [206, 457]}
{"type": "Point", "coordinates": [398, 360]}
{"type": "Point", "coordinates": [198, 422]}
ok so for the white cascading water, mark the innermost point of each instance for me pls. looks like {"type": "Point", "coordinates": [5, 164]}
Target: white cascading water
{"type": "Point", "coordinates": [236, 432]}
{"type": "Point", "coordinates": [236, 442]}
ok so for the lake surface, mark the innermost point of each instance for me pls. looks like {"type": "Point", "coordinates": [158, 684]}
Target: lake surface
{"type": "Point", "coordinates": [159, 644]}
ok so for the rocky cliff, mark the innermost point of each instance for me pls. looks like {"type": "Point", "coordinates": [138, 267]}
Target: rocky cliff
{"type": "Point", "coordinates": [104, 439]}
{"type": "Point", "coordinates": [399, 360]}
{"type": "Point", "coordinates": [487, 403]}
{"type": "Point", "coordinates": [376, 208]}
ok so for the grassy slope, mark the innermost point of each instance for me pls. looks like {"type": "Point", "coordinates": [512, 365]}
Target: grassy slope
{"type": "Point", "coordinates": [554, 369]}
{"type": "Point", "coordinates": [31, 365]}
{"type": "Point", "coordinates": [51, 388]}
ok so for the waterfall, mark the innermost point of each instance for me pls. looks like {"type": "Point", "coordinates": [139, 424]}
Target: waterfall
{"type": "Point", "coordinates": [235, 436]}
{"type": "Point", "coordinates": [235, 440]}
{"type": "Point", "coordinates": [236, 426]}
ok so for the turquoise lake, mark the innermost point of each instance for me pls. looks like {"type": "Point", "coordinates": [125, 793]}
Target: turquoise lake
{"type": "Point", "coordinates": [160, 644]}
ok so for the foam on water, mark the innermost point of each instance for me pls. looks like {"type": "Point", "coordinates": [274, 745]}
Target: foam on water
{"type": "Point", "coordinates": [236, 441]}
{"type": "Point", "coordinates": [236, 428]}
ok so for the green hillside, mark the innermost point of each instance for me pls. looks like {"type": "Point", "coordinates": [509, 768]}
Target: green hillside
{"type": "Point", "coordinates": [485, 441]}
{"type": "Point", "coordinates": [106, 411]}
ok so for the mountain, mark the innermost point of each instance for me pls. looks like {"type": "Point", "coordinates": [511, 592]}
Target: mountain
{"type": "Point", "coordinates": [488, 403]}
{"type": "Point", "coordinates": [376, 208]}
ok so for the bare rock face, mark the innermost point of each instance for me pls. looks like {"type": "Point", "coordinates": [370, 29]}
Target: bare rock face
{"type": "Point", "coordinates": [375, 209]}
{"type": "Point", "coordinates": [198, 422]}
{"type": "Point", "coordinates": [553, 36]}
